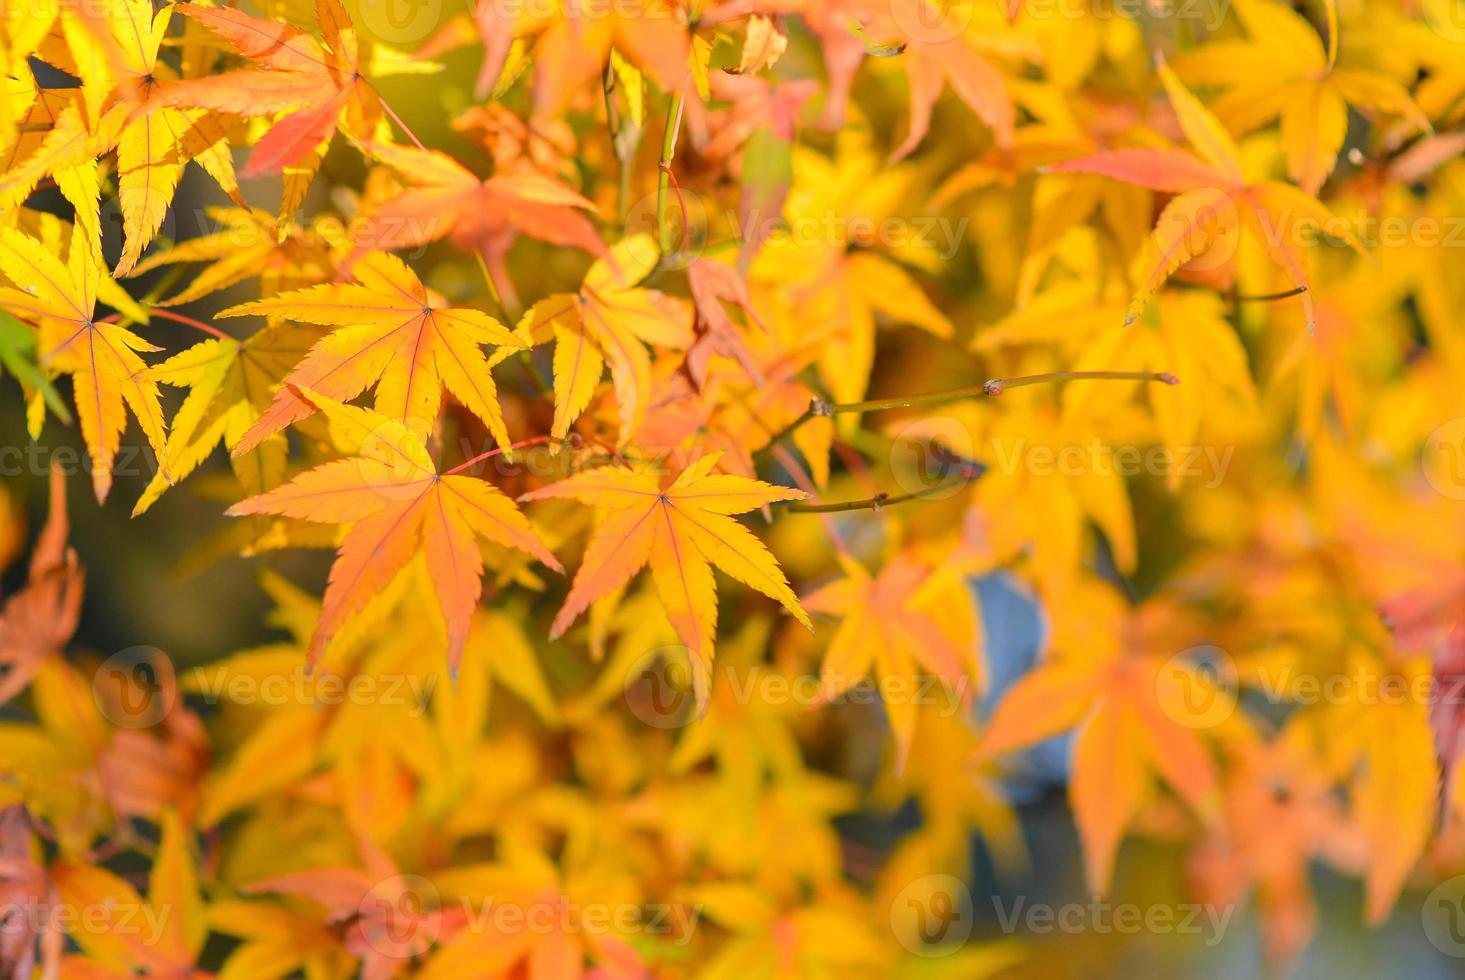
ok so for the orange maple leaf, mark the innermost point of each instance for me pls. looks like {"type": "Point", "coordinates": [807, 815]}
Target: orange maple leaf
{"type": "Point", "coordinates": [398, 505]}
{"type": "Point", "coordinates": [392, 334]}
{"type": "Point", "coordinates": [1214, 199]}
{"type": "Point", "coordinates": [681, 531]}
{"type": "Point", "coordinates": [712, 284]}
{"type": "Point", "coordinates": [1137, 721]}
{"type": "Point", "coordinates": [296, 73]}
{"type": "Point", "coordinates": [443, 199]}
{"type": "Point", "coordinates": [38, 620]}
{"type": "Point", "coordinates": [609, 320]}
{"type": "Point", "coordinates": [889, 629]}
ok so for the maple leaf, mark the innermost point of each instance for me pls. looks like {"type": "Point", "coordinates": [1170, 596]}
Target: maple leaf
{"type": "Point", "coordinates": [1134, 725]}
{"type": "Point", "coordinates": [889, 630]}
{"type": "Point", "coordinates": [388, 925]}
{"type": "Point", "coordinates": [1036, 512]}
{"type": "Point", "coordinates": [55, 139]}
{"type": "Point", "coordinates": [286, 938]}
{"type": "Point", "coordinates": [392, 334]}
{"type": "Point", "coordinates": [842, 282]}
{"type": "Point", "coordinates": [398, 506]}
{"type": "Point", "coordinates": [1185, 332]}
{"type": "Point", "coordinates": [681, 531]}
{"type": "Point", "coordinates": [931, 63]}
{"type": "Point", "coordinates": [821, 933]}
{"type": "Point", "coordinates": [153, 143]}
{"type": "Point", "coordinates": [546, 147]}
{"type": "Point", "coordinates": [943, 743]}
{"type": "Point", "coordinates": [607, 320]}
{"type": "Point", "coordinates": [101, 357]}
{"type": "Point", "coordinates": [763, 44]}
{"type": "Point", "coordinates": [741, 414]}
{"type": "Point", "coordinates": [230, 384]}
{"type": "Point", "coordinates": [74, 37]}
{"type": "Point", "coordinates": [1213, 198]}
{"type": "Point", "coordinates": [712, 284]}
{"type": "Point", "coordinates": [320, 84]}
{"type": "Point", "coordinates": [26, 885]}
{"type": "Point", "coordinates": [173, 902]}
{"type": "Point", "coordinates": [573, 43]}
{"type": "Point", "coordinates": [1335, 368]}
{"type": "Point", "coordinates": [443, 199]}
{"type": "Point", "coordinates": [37, 621]}
{"type": "Point", "coordinates": [111, 773]}
{"type": "Point", "coordinates": [524, 881]}
{"type": "Point", "coordinates": [296, 73]}
{"type": "Point", "coordinates": [1430, 619]}
{"type": "Point", "coordinates": [1285, 72]}
{"type": "Point", "coordinates": [756, 103]}
{"type": "Point", "coordinates": [1387, 749]}
{"type": "Point", "coordinates": [1279, 813]}
{"type": "Point", "coordinates": [248, 243]}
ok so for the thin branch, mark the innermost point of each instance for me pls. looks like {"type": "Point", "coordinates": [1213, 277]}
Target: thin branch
{"type": "Point", "coordinates": [987, 389]}
{"type": "Point", "coordinates": [398, 120]}
{"type": "Point", "coordinates": [1236, 297]}
{"type": "Point", "coordinates": [189, 321]}
{"type": "Point", "coordinates": [493, 290]}
{"type": "Point", "coordinates": [521, 444]}
{"type": "Point", "coordinates": [623, 147]}
{"type": "Point", "coordinates": [664, 180]}
{"type": "Point", "coordinates": [882, 500]}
